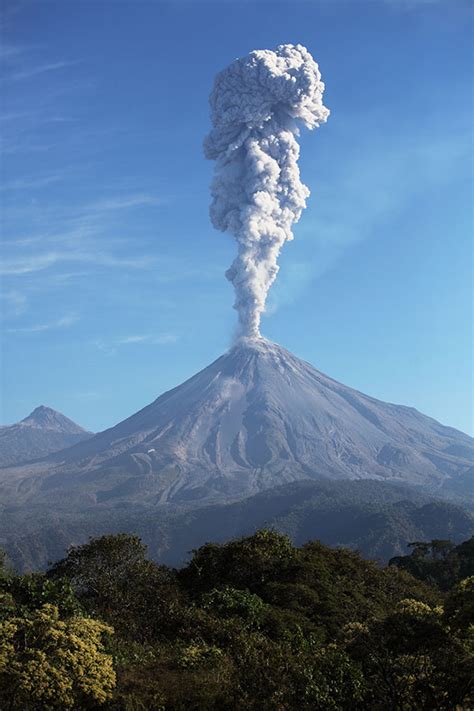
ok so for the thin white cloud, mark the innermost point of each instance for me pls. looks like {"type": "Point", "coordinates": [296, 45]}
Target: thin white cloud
{"type": "Point", "coordinates": [161, 339]}
{"type": "Point", "coordinates": [11, 147]}
{"type": "Point", "coordinates": [94, 217]}
{"type": "Point", "coordinates": [109, 260]}
{"type": "Point", "coordinates": [18, 266]}
{"type": "Point", "coordinates": [105, 348]}
{"type": "Point", "coordinates": [77, 236]}
{"type": "Point", "coordinates": [411, 3]}
{"type": "Point", "coordinates": [30, 183]}
{"type": "Point", "coordinates": [8, 51]}
{"type": "Point", "coordinates": [63, 322]}
{"type": "Point", "coordinates": [35, 70]}
{"type": "Point", "coordinates": [124, 202]}
{"type": "Point", "coordinates": [14, 303]}
{"type": "Point", "coordinates": [15, 115]}
{"type": "Point", "coordinates": [27, 264]}
{"type": "Point", "coordinates": [132, 339]}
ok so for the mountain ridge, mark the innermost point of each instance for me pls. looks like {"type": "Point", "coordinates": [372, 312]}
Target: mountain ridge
{"type": "Point", "coordinates": [255, 418]}
{"type": "Point", "coordinates": [375, 517]}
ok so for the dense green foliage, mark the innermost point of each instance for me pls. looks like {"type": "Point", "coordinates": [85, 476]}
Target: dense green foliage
{"type": "Point", "coordinates": [439, 562]}
{"type": "Point", "coordinates": [255, 623]}
{"type": "Point", "coordinates": [374, 517]}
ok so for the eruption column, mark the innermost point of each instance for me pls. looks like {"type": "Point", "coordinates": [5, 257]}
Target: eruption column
{"type": "Point", "coordinates": [257, 104]}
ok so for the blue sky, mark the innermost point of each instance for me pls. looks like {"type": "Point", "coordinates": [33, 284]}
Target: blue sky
{"type": "Point", "coordinates": [113, 285]}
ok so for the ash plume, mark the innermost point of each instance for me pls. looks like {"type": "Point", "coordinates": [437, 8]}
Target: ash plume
{"type": "Point", "coordinates": [257, 105]}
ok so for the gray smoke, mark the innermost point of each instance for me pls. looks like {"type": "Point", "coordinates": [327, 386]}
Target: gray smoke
{"type": "Point", "coordinates": [257, 104]}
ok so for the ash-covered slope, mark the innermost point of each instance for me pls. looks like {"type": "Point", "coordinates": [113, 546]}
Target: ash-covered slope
{"type": "Point", "coordinates": [44, 431]}
{"type": "Point", "coordinates": [255, 418]}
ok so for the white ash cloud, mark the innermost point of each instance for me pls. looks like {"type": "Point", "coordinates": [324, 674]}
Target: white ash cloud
{"type": "Point", "coordinates": [257, 105]}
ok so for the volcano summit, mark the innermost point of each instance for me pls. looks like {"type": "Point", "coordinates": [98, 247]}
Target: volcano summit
{"type": "Point", "coordinates": [256, 418]}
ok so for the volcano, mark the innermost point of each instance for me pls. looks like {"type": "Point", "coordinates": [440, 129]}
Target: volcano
{"type": "Point", "coordinates": [44, 431]}
{"type": "Point", "coordinates": [256, 418]}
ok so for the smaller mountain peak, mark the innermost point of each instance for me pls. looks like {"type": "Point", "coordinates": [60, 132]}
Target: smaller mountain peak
{"type": "Point", "coordinates": [42, 410]}
{"type": "Point", "coordinates": [46, 418]}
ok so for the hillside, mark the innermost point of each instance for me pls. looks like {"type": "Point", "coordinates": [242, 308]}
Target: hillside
{"type": "Point", "coordinates": [376, 518]}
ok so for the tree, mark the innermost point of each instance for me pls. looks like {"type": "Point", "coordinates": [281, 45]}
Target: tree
{"type": "Point", "coordinates": [438, 562]}
{"type": "Point", "coordinates": [113, 579]}
{"type": "Point", "coordinates": [244, 563]}
{"type": "Point", "coordinates": [412, 659]}
{"type": "Point", "coordinates": [229, 602]}
{"type": "Point", "coordinates": [459, 608]}
{"type": "Point", "coordinates": [48, 663]}
{"type": "Point", "coordinates": [33, 590]}
{"type": "Point", "coordinates": [103, 568]}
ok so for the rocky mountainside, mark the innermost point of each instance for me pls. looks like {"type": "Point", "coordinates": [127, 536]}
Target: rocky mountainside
{"type": "Point", "coordinates": [256, 418]}
{"type": "Point", "coordinates": [44, 431]}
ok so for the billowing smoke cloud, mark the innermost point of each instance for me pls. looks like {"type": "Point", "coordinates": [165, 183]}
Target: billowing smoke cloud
{"type": "Point", "coordinates": [257, 104]}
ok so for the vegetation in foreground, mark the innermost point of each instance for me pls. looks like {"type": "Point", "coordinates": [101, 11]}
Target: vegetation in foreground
{"type": "Point", "coordinates": [255, 623]}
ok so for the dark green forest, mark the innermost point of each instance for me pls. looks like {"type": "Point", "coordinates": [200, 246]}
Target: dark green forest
{"type": "Point", "coordinates": [255, 623]}
{"type": "Point", "coordinates": [375, 517]}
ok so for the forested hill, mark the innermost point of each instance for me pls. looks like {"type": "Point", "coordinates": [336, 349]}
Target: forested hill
{"type": "Point", "coordinates": [255, 624]}
{"type": "Point", "coordinates": [377, 518]}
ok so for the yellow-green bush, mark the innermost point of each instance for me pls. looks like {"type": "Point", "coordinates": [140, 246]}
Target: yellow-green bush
{"type": "Point", "coordinates": [49, 663]}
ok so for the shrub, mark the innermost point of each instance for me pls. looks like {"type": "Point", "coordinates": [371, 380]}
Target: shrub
{"type": "Point", "coordinates": [49, 663]}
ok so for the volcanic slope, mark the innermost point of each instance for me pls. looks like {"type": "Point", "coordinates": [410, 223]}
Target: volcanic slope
{"type": "Point", "coordinates": [44, 431]}
{"type": "Point", "coordinates": [257, 417]}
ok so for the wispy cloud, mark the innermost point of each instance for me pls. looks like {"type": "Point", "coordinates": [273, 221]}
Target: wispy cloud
{"type": "Point", "coordinates": [75, 235]}
{"type": "Point", "coordinates": [159, 339]}
{"type": "Point", "coordinates": [12, 146]}
{"type": "Point", "coordinates": [18, 266]}
{"type": "Point", "coordinates": [24, 113]}
{"type": "Point", "coordinates": [110, 348]}
{"type": "Point", "coordinates": [30, 183]}
{"type": "Point", "coordinates": [63, 322]}
{"type": "Point", "coordinates": [6, 116]}
{"type": "Point", "coordinates": [34, 70]}
{"type": "Point", "coordinates": [125, 202]}
{"type": "Point", "coordinates": [65, 217]}
{"type": "Point", "coordinates": [14, 303]}
{"type": "Point", "coordinates": [411, 3]}
{"type": "Point", "coordinates": [27, 264]}
{"type": "Point", "coordinates": [10, 51]}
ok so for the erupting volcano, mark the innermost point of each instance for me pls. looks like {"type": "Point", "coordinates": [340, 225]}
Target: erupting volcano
{"type": "Point", "coordinates": [255, 418]}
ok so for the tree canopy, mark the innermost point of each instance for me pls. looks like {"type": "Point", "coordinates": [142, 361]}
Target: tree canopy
{"type": "Point", "coordinates": [255, 623]}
